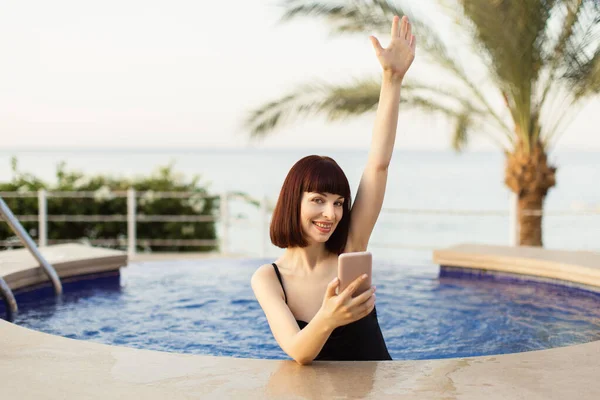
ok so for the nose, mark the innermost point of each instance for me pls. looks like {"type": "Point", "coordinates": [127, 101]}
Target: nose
{"type": "Point", "coordinates": [329, 211]}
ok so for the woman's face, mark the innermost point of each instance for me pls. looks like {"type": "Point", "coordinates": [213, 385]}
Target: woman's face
{"type": "Point", "coordinates": [320, 214]}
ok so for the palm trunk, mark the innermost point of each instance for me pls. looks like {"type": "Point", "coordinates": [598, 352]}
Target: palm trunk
{"type": "Point", "coordinates": [529, 176]}
{"type": "Point", "coordinates": [530, 226]}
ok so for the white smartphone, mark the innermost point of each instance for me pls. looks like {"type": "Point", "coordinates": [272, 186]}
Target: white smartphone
{"type": "Point", "coordinates": [353, 265]}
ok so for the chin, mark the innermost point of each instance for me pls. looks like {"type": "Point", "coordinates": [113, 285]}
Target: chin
{"type": "Point", "coordinates": [323, 239]}
{"type": "Point", "coordinates": [319, 239]}
{"type": "Point", "coordinates": [316, 238]}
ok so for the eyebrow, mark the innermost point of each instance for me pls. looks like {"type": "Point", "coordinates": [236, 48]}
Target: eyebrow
{"type": "Point", "coordinates": [323, 194]}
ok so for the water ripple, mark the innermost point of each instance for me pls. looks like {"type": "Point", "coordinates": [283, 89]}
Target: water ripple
{"type": "Point", "coordinates": [207, 307]}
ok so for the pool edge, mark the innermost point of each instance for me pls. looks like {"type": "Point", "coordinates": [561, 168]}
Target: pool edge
{"type": "Point", "coordinates": [39, 365]}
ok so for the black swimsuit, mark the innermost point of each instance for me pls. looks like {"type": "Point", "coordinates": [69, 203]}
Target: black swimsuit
{"type": "Point", "coordinates": [357, 341]}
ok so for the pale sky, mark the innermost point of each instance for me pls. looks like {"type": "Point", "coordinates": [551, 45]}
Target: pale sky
{"type": "Point", "coordinates": [184, 73]}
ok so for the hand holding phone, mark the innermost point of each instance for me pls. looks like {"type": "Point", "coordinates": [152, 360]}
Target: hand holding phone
{"type": "Point", "coordinates": [355, 297]}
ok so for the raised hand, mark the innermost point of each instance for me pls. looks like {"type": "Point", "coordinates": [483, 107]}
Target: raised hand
{"type": "Point", "coordinates": [400, 53]}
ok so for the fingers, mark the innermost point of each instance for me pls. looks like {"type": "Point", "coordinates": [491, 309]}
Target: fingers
{"type": "Point", "coordinates": [330, 292]}
{"type": "Point", "coordinates": [376, 44]}
{"type": "Point", "coordinates": [363, 297]}
{"type": "Point", "coordinates": [347, 293]}
{"type": "Point", "coordinates": [395, 26]}
{"type": "Point", "coordinates": [413, 42]}
{"type": "Point", "coordinates": [403, 27]}
{"type": "Point", "coordinates": [368, 306]}
{"type": "Point", "coordinates": [364, 308]}
{"type": "Point", "coordinates": [358, 307]}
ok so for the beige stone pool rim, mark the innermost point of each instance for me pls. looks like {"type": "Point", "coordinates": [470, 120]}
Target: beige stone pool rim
{"type": "Point", "coordinates": [35, 365]}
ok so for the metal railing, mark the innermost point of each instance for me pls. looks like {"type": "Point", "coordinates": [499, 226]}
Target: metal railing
{"type": "Point", "coordinates": [22, 234]}
{"type": "Point", "coordinates": [225, 219]}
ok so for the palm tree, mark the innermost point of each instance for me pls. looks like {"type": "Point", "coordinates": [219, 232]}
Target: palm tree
{"type": "Point", "coordinates": [541, 58]}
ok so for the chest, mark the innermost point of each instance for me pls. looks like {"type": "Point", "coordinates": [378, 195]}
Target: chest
{"type": "Point", "coordinates": [305, 294]}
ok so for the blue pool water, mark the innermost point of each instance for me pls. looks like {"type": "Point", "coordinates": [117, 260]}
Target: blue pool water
{"type": "Point", "coordinates": [207, 307]}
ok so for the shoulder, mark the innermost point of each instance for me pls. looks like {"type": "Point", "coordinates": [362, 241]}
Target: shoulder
{"type": "Point", "coordinates": [263, 276]}
{"type": "Point", "coordinates": [263, 271]}
{"type": "Point", "coordinates": [265, 285]}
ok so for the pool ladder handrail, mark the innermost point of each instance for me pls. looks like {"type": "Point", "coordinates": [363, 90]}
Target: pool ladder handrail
{"type": "Point", "coordinates": [18, 229]}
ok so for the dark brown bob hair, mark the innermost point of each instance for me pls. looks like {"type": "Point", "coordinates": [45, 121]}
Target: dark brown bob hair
{"type": "Point", "coordinates": [310, 174]}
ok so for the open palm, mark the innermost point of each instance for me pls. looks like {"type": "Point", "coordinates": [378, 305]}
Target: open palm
{"type": "Point", "coordinates": [400, 53]}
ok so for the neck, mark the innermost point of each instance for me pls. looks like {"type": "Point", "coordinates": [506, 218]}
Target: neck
{"type": "Point", "coordinates": [306, 258]}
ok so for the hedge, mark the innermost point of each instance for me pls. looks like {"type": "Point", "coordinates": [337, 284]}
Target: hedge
{"type": "Point", "coordinates": [105, 202]}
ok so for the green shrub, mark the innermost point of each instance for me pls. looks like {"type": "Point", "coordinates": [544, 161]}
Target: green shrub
{"type": "Point", "coordinates": [106, 202]}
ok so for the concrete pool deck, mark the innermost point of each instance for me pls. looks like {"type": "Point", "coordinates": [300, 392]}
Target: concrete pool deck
{"type": "Point", "coordinates": [36, 365]}
{"type": "Point", "coordinates": [21, 270]}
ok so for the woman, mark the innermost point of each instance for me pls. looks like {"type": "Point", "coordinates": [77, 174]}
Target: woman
{"type": "Point", "coordinates": [314, 221]}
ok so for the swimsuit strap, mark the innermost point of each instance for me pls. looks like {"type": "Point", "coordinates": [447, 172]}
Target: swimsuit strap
{"type": "Point", "coordinates": [280, 281]}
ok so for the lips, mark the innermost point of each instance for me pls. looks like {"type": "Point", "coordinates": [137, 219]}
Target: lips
{"type": "Point", "coordinates": [323, 227]}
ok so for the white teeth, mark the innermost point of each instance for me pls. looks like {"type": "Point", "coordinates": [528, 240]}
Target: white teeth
{"type": "Point", "coordinates": [324, 226]}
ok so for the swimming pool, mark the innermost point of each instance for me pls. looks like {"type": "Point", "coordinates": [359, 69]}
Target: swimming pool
{"type": "Point", "coordinates": [207, 307]}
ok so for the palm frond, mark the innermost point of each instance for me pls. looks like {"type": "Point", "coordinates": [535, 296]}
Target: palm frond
{"type": "Point", "coordinates": [460, 138]}
{"type": "Point", "coordinates": [586, 80]}
{"type": "Point", "coordinates": [573, 67]}
{"type": "Point", "coordinates": [448, 94]}
{"type": "Point", "coordinates": [570, 11]}
{"type": "Point", "coordinates": [347, 16]}
{"type": "Point", "coordinates": [528, 58]}
{"type": "Point", "coordinates": [581, 63]}
{"type": "Point", "coordinates": [334, 101]}
{"type": "Point", "coordinates": [427, 104]}
{"type": "Point", "coordinates": [337, 102]}
{"type": "Point", "coordinates": [512, 35]}
{"type": "Point", "coordinates": [375, 16]}
{"type": "Point", "coordinates": [465, 121]}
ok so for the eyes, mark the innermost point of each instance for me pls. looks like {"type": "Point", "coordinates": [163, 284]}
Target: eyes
{"type": "Point", "coordinates": [319, 200]}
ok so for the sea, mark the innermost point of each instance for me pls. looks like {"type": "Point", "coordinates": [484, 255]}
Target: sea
{"type": "Point", "coordinates": [428, 196]}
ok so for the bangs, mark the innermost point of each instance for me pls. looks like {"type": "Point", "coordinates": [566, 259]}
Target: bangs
{"type": "Point", "coordinates": [326, 176]}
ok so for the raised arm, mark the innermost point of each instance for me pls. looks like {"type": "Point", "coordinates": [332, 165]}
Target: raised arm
{"type": "Point", "coordinates": [395, 61]}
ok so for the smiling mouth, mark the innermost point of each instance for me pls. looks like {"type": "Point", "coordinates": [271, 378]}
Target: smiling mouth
{"type": "Point", "coordinates": [325, 228]}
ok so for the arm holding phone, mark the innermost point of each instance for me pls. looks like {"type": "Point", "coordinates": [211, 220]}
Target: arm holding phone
{"type": "Point", "coordinates": [336, 310]}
